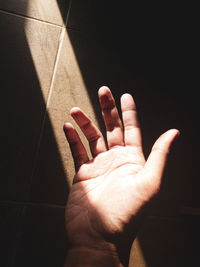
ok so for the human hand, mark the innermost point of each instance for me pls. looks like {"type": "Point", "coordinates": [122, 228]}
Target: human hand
{"type": "Point", "coordinates": [110, 191]}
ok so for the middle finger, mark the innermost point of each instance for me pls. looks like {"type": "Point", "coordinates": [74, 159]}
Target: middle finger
{"type": "Point", "coordinates": [114, 127]}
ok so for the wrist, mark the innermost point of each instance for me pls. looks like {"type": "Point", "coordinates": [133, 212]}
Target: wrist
{"type": "Point", "coordinates": [90, 256]}
{"type": "Point", "coordinates": [101, 253]}
{"type": "Point", "coordinates": [92, 250]}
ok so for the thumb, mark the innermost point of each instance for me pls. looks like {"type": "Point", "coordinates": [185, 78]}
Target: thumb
{"type": "Point", "coordinates": [156, 161]}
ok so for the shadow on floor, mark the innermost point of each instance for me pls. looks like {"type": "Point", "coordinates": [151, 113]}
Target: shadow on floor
{"type": "Point", "coordinates": [34, 186]}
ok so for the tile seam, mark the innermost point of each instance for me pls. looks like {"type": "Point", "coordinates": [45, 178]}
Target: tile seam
{"type": "Point", "coordinates": [68, 12]}
{"type": "Point", "coordinates": [55, 67]}
{"type": "Point", "coordinates": [31, 204]}
{"type": "Point", "coordinates": [60, 42]}
{"type": "Point", "coordinates": [29, 18]}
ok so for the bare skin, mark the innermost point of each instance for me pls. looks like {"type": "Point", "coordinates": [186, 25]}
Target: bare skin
{"type": "Point", "coordinates": [110, 191]}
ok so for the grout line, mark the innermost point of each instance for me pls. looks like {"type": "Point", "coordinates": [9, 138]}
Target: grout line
{"type": "Point", "coordinates": [190, 211]}
{"type": "Point", "coordinates": [55, 67]}
{"type": "Point", "coordinates": [68, 12]}
{"type": "Point", "coordinates": [29, 18]}
{"type": "Point", "coordinates": [47, 104]}
{"type": "Point", "coordinates": [31, 204]}
{"type": "Point", "coordinates": [74, 29]}
{"type": "Point", "coordinates": [165, 217]}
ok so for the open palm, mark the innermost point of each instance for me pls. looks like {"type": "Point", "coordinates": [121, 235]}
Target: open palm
{"type": "Point", "coordinates": [110, 191]}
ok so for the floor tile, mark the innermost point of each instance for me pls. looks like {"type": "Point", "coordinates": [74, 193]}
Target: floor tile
{"type": "Point", "coordinates": [27, 50]}
{"type": "Point", "coordinates": [53, 11]}
{"type": "Point", "coordinates": [55, 171]}
{"type": "Point", "coordinates": [49, 182]}
{"type": "Point", "coordinates": [10, 230]}
{"type": "Point", "coordinates": [43, 241]}
{"type": "Point", "coordinates": [167, 242]}
{"type": "Point", "coordinates": [83, 13]}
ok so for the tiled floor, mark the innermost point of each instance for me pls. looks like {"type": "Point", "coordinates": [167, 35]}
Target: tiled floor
{"type": "Point", "coordinates": [10, 232]}
{"type": "Point", "coordinates": [47, 68]}
{"type": "Point", "coordinates": [23, 54]}
{"type": "Point", "coordinates": [51, 11]}
{"type": "Point", "coordinates": [43, 242]}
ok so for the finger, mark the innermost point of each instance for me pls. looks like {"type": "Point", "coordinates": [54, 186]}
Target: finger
{"type": "Point", "coordinates": [115, 136]}
{"type": "Point", "coordinates": [156, 161]}
{"type": "Point", "coordinates": [91, 132]}
{"type": "Point", "coordinates": [77, 148]}
{"type": "Point", "coordinates": [132, 133]}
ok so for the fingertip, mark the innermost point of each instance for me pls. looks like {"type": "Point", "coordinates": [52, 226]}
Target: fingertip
{"type": "Point", "coordinates": [166, 140]}
{"type": "Point", "coordinates": [174, 133]}
{"type": "Point", "coordinates": [127, 102]}
{"type": "Point", "coordinates": [126, 95]}
{"type": "Point", "coordinates": [178, 133]}
{"type": "Point", "coordinates": [67, 125]}
{"type": "Point", "coordinates": [103, 90]}
{"type": "Point", "coordinates": [74, 111]}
